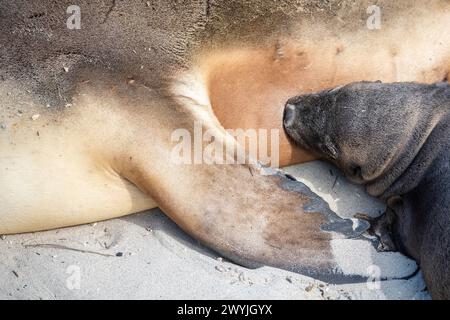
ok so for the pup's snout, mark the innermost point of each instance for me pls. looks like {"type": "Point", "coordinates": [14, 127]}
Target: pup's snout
{"type": "Point", "coordinates": [289, 115]}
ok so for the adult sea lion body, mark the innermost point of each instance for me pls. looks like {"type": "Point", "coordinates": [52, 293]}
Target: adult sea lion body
{"type": "Point", "coordinates": [394, 139]}
{"type": "Point", "coordinates": [87, 114]}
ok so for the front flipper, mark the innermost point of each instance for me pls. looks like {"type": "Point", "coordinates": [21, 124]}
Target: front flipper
{"type": "Point", "coordinates": [381, 228]}
{"type": "Point", "coordinates": [283, 225]}
{"type": "Point", "coordinates": [239, 210]}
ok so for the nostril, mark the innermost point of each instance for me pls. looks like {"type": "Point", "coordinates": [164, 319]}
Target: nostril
{"type": "Point", "coordinates": [289, 115]}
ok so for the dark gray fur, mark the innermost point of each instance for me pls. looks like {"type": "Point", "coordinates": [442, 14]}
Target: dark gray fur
{"type": "Point", "coordinates": [394, 139]}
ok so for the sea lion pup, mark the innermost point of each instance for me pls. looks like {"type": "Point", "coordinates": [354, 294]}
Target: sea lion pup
{"type": "Point", "coordinates": [395, 139]}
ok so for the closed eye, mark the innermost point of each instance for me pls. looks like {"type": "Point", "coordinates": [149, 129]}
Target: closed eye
{"type": "Point", "coordinates": [355, 170]}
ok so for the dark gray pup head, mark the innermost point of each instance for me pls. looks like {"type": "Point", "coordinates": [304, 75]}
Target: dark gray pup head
{"type": "Point", "coordinates": [366, 128]}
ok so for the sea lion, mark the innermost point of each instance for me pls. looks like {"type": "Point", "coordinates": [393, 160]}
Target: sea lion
{"type": "Point", "coordinates": [88, 111]}
{"type": "Point", "coordinates": [394, 139]}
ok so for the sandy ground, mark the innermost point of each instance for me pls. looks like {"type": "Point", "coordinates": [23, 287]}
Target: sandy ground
{"type": "Point", "coordinates": [146, 256]}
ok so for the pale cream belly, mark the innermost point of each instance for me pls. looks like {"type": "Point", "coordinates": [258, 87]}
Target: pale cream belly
{"type": "Point", "coordinates": [50, 173]}
{"type": "Point", "coordinates": [59, 188]}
